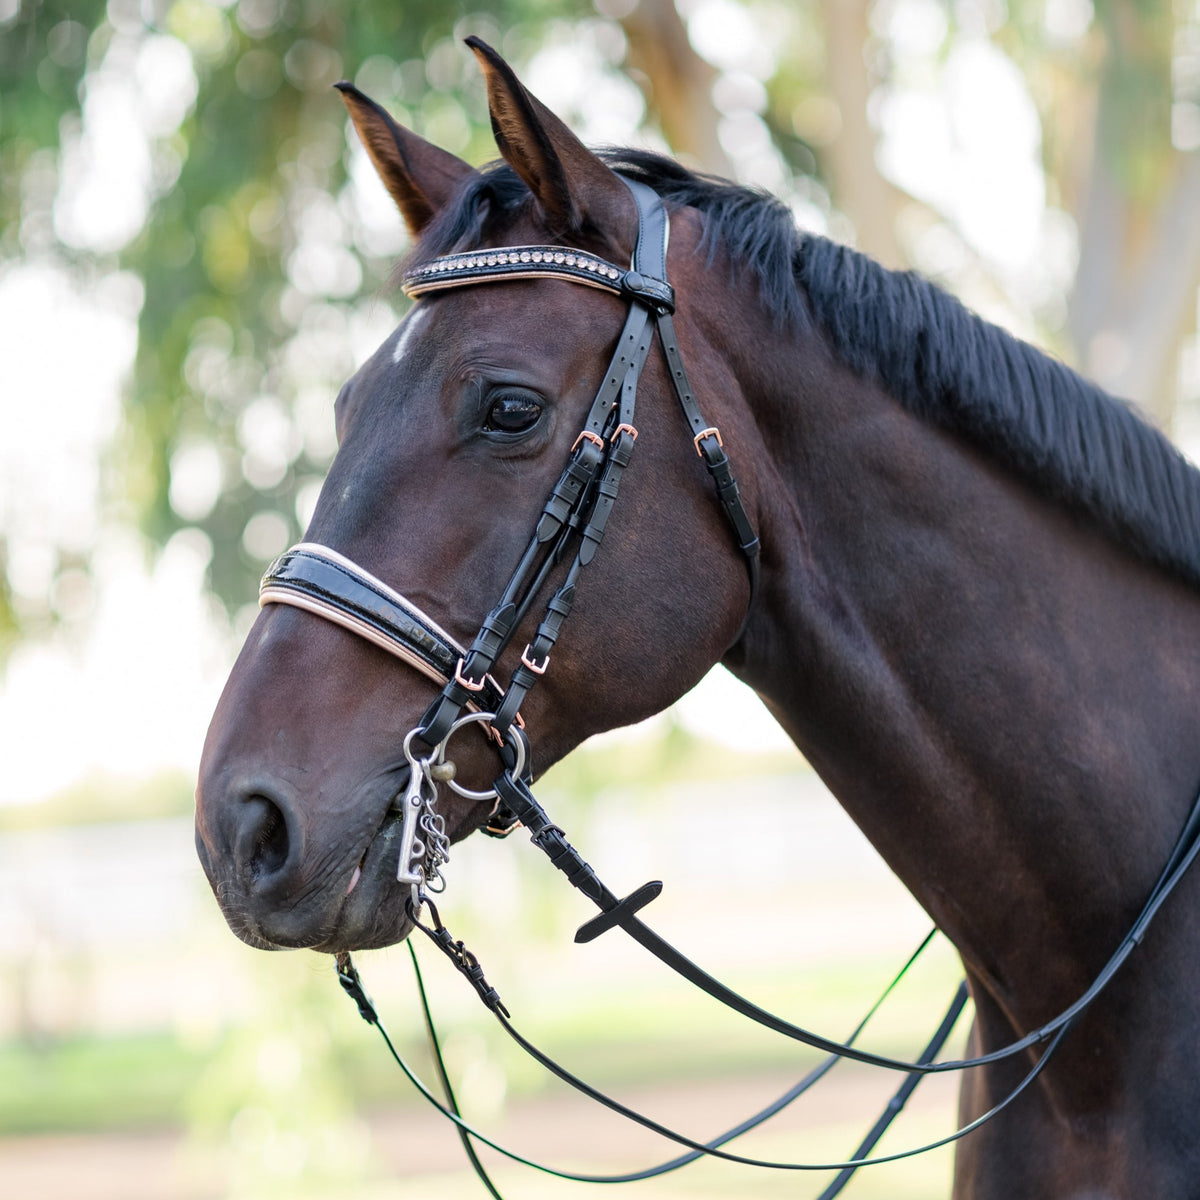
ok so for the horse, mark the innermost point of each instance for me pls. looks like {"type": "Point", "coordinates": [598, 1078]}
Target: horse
{"type": "Point", "coordinates": [975, 610]}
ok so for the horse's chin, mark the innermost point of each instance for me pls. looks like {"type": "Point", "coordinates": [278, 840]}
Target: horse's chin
{"type": "Point", "coordinates": [373, 912]}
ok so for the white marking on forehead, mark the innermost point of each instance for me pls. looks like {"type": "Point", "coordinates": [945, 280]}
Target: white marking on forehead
{"type": "Point", "coordinates": [408, 327]}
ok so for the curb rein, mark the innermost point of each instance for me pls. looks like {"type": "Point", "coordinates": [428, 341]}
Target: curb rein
{"type": "Point", "coordinates": [574, 517]}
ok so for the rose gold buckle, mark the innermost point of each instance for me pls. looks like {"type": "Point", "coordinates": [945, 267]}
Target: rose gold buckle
{"type": "Point", "coordinates": [622, 428]}
{"type": "Point", "coordinates": [537, 670]}
{"type": "Point", "coordinates": [711, 431]}
{"type": "Point", "coordinates": [587, 435]}
{"type": "Point", "coordinates": [469, 684]}
{"type": "Point", "coordinates": [490, 730]}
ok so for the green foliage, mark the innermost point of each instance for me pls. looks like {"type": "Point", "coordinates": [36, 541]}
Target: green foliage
{"type": "Point", "coordinates": [264, 277]}
{"type": "Point", "coordinates": [254, 257]}
{"type": "Point", "coordinates": [236, 330]}
{"type": "Point", "coordinates": [1136, 100]}
{"type": "Point", "coordinates": [44, 53]}
{"type": "Point", "coordinates": [96, 1084]}
{"type": "Point", "coordinates": [277, 1099]}
{"type": "Point", "coordinates": [311, 1068]}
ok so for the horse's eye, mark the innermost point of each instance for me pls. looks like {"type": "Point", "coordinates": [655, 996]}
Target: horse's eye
{"type": "Point", "coordinates": [513, 412]}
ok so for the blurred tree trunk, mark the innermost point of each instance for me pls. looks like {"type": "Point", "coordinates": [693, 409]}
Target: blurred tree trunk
{"type": "Point", "coordinates": [1134, 300]}
{"type": "Point", "coordinates": [858, 188]}
{"type": "Point", "coordinates": [677, 83]}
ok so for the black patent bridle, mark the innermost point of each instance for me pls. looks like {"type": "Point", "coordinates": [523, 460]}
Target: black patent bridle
{"type": "Point", "coordinates": [570, 529]}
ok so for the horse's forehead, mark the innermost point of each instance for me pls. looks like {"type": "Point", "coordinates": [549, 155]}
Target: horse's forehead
{"type": "Point", "coordinates": [512, 319]}
{"type": "Point", "coordinates": [401, 341]}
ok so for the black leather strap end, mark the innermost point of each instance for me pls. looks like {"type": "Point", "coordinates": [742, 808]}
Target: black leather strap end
{"type": "Point", "coordinates": [571, 485]}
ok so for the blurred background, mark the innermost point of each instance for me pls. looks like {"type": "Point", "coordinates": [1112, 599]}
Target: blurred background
{"type": "Point", "coordinates": [193, 257]}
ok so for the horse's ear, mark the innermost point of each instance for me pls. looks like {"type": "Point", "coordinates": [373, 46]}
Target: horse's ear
{"type": "Point", "coordinates": [420, 177]}
{"type": "Point", "coordinates": [568, 181]}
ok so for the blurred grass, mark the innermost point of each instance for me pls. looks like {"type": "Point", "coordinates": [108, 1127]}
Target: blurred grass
{"type": "Point", "coordinates": [101, 799]}
{"type": "Point", "coordinates": [94, 1084]}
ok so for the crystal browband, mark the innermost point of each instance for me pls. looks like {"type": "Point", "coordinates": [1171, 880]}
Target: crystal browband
{"type": "Point", "coordinates": [535, 262]}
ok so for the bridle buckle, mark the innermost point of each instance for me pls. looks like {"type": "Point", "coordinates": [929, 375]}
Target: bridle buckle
{"type": "Point", "coordinates": [536, 668]}
{"type": "Point", "coordinates": [587, 435]}
{"type": "Point", "coordinates": [465, 681]}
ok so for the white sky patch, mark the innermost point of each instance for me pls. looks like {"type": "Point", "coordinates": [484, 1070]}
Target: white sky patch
{"type": "Point", "coordinates": [321, 264]}
{"type": "Point", "coordinates": [65, 354]}
{"type": "Point", "coordinates": [729, 36]}
{"type": "Point", "coordinates": [576, 79]}
{"type": "Point", "coordinates": [132, 693]}
{"type": "Point", "coordinates": [143, 90]}
{"type": "Point", "coordinates": [197, 476]}
{"type": "Point", "coordinates": [1066, 21]}
{"type": "Point", "coordinates": [915, 28]}
{"type": "Point", "coordinates": [377, 227]}
{"type": "Point", "coordinates": [136, 697]}
{"type": "Point", "coordinates": [722, 709]}
{"type": "Point", "coordinates": [719, 709]}
{"type": "Point", "coordinates": [969, 144]}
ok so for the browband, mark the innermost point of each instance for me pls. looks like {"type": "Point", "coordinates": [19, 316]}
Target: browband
{"type": "Point", "coordinates": [321, 581]}
{"type": "Point", "coordinates": [536, 262]}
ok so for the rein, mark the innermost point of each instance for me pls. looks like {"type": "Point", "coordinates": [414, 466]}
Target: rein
{"type": "Point", "coordinates": [570, 530]}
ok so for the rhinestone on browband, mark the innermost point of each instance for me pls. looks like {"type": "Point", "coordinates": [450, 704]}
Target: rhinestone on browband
{"type": "Point", "coordinates": [514, 262]}
{"type": "Point", "coordinates": [537, 262]}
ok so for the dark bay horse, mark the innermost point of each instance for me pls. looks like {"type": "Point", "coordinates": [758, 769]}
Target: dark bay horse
{"type": "Point", "coordinates": [978, 613]}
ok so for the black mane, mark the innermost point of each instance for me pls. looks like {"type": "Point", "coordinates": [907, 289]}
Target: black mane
{"type": "Point", "coordinates": [1065, 436]}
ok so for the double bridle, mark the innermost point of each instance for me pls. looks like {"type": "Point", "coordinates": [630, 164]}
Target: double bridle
{"type": "Point", "coordinates": [570, 530]}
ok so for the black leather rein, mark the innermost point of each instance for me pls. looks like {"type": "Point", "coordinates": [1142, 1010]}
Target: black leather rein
{"type": "Point", "coordinates": [569, 531]}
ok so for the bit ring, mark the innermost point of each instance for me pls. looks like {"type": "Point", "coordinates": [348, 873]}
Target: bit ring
{"type": "Point", "coordinates": [518, 744]}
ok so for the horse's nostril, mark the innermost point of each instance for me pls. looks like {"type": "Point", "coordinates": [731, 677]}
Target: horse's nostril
{"type": "Point", "coordinates": [271, 852]}
{"type": "Point", "coordinates": [263, 842]}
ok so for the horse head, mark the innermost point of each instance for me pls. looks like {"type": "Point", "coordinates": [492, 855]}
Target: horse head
{"type": "Point", "coordinates": [450, 438]}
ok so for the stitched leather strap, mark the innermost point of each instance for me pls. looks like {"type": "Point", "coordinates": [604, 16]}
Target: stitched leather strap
{"type": "Point", "coordinates": [551, 840]}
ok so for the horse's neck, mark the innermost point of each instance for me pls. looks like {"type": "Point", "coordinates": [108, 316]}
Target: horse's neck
{"type": "Point", "coordinates": [1001, 699]}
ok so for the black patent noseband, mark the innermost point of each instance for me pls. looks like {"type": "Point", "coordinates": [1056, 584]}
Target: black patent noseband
{"type": "Point", "coordinates": [321, 581]}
